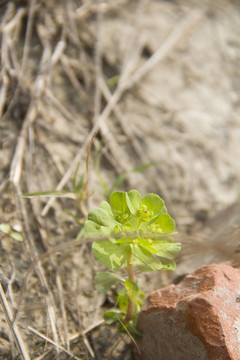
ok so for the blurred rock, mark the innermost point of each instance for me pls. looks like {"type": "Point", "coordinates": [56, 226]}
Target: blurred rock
{"type": "Point", "coordinates": [197, 319]}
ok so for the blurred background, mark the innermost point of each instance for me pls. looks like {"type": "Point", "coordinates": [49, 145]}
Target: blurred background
{"type": "Point", "coordinates": [154, 87]}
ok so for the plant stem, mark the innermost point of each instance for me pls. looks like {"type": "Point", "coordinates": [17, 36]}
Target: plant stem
{"type": "Point", "coordinates": [131, 277]}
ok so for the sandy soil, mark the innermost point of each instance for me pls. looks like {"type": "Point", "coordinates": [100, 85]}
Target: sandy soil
{"type": "Point", "coordinates": [159, 84]}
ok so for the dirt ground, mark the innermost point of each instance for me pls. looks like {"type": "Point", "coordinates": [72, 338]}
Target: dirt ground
{"type": "Point", "coordinates": [158, 83]}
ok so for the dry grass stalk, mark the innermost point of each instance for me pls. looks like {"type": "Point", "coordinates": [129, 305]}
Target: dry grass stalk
{"type": "Point", "coordinates": [20, 344]}
{"type": "Point", "coordinates": [50, 341]}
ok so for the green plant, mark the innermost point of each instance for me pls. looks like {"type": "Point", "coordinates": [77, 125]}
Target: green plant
{"type": "Point", "coordinates": [6, 231]}
{"type": "Point", "coordinates": [130, 232]}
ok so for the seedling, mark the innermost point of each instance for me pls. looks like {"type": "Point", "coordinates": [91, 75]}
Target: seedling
{"type": "Point", "coordinates": [6, 231]}
{"type": "Point", "coordinates": [130, 232]}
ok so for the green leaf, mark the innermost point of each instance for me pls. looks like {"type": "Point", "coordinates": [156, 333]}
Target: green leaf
{"type": "Point", "coordinates": [79, 185]}
{"type": "Point", "coordinates": [112, 316]}
{"type": "Point", "coordinates": [132, 289]}
{"type": "Point", "coordinates": [168, 264]}
{"type": "Point", "coordinates": [144, 260]}
{"type": "Point", "coordinates": [166, 249]}
{"type": "Point", "coordinates": [118, 202]}
{"type": "Point", "coordinates": [124, 240]}
{"type": "Point", "coordinates": [147, 244]}
{"type": "Point", "coordinates": [133, 200]}
{"type": "Point", "coordinates": [110, 254]}
{"type": "Point", "coordinates": [141, 294]}
{"type": "Point", "coordinates": [104, 230]}
{"type": "Point", "coordinates": [113, 80]}
{"type": "Point", "coordinates": [138, 306]}
{"type": "Point", "coordinates": [81, 234]}
{"type": "Point", "coordinates": [140, 266]}
{"type": "Point", "coordinates": [155, 204]}
{"type": "Point", "coordinates": [57, 193]}
{"type": "Point", "coordinates": [130, 328]}
{"type": "Point", "coordinates": [91, 229]}
{"type": "Point", "coordinates": [5, 228]}
{"type": "Point", "coordinates": [16, 236]}
{"type": "Point", "coordinates": [143, 167]}
{"type": "Point", "coordinates": [106, 207]}
{"type": "Point", "coordinates": [75, 176]}
{"type": "Point", "coordinates": [105, 280]}
{"type": "Point", "coordinates": [165, 223]}
{"type": "Point", "coordinates": [122, 300]}
{"type": "Point", "coordinates": [101, 217]}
